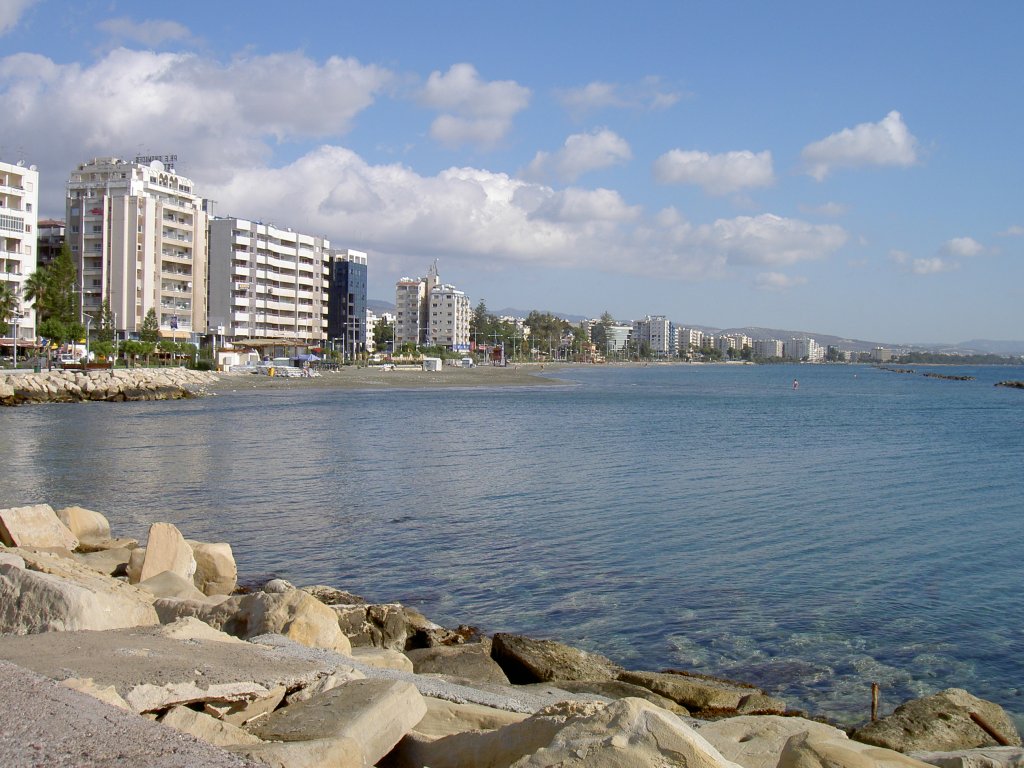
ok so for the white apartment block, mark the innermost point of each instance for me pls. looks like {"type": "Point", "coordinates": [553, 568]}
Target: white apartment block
{"type": "Point", "coordinates": [267, 283]}
{"type": "Point", "coordinates": [448, 314]}
{"type": "Point", "coordinates": [658, 333]}
{"type": "Point", "coordinates": [736, 341]}
{"type": "Point", "coordinates": [688, 340]}
{"type": "Point", "coordinates": [804, 349]}
{"type": "Point", "coordinates": [429, 313]}
{"type": "Point", "coordinates": [137, 232]}
{"type": "Point", "coordinates": [19, 212]}
{"type": "Point", "coordinates": [768, 348]}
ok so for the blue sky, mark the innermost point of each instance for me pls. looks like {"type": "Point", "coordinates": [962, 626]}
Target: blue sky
{"type": "Point", "coordinates": [851, 169]}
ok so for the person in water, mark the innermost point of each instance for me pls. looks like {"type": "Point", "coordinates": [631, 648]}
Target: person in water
{"type": "Point", "coordinates": [796, 384]}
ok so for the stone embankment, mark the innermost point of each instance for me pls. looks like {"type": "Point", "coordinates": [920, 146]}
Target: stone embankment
{"type": "Point", "coordinates": [316, 676]}
{"type": "Point", "coordinates": [1011, 384]}
{"type": "Point", "coordinates": [113, 385]}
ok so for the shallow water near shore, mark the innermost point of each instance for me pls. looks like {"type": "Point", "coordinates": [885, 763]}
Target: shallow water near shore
{"type": "Point", "coordinates": [866, 527]}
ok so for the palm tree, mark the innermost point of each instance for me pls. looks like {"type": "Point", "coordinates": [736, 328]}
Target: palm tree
{"type": "Point", "coordinates": [35, 290]}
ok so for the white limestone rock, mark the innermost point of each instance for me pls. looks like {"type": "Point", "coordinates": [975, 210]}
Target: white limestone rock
{"type": "Point", "coordinates": [375, 714]}
{"type": "Point", "coordinates": [206, 728]}
{"type": "Point", "coordinates": [56, 594]}
{"type": "Point", "coordinates": [756, 741]}
{"type": "Point", "coordinates": [445, 718]}
{"type": "Point", "coordinates": [294, 614]}
{"type": "Point", "coordinates": [808, 750]}
{"type": "Point", "coordinates": [36, 525]}
{"type": "Point", "coordinates": [216, 570]}
{"type": "Point", "coordinates": [106, 693]}
{"type": "Point", "coordinates": [86, 524]}
{"type": "Point", "coordinates": [165, 550]}
{"type": "Point", "coordinates": [383, 658]}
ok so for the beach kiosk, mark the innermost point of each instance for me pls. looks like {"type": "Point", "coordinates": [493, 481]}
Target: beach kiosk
{"type": "Point", "coordinates": [431, 363]}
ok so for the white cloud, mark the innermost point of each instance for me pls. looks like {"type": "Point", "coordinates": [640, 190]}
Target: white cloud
{"type": "Point", "coordinates": [932, 266]}
{"type": "Point", "coordinates": [582, 152]}
{"type": "Point", "coordinates": [476, 112]}
{"type": "Point", "coordinates": [211, 114]}
{"type": "Point", "coordinates": [648, 94]}
{"type": "Point", "coordinates": [885, 143]}
{"type": "Point", "coordinates": [11, 12]}
{"type": "Point", "coordinates": [1014, 230]}
{"type": "Point", "coordinates": [152, 32]}
{"type": "Point", "coordinates": [963, 247]}
{"type": "Point", "coordinates": [716, 174]}
{"type": "Point", "coordinates": [777, 281]}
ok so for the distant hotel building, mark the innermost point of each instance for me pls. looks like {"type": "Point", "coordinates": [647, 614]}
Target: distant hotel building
{"type": "Point", "coordinates": [268, 283]}
{"type": "Point", "coordinates": [429, 313]}
{"type": "Point", "coordinates": [49, 241]}
{"type": "Point", "coordinates": [768, 348]}
{"type": "Point", "coordinates": [19, 210]}
{"type": "Point", "coordinates": [689, 340]}
{"type": "Point", "coordinates": [804, 349]}
{"type": "Point", "coordinates": [137, 232]}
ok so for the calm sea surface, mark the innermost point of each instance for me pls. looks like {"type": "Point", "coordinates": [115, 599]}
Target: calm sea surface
{"type": "Point", "coordinates": [868, 526]}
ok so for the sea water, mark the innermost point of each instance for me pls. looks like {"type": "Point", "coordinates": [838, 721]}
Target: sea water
{"type": "Point", "coordinates": [863, 527]}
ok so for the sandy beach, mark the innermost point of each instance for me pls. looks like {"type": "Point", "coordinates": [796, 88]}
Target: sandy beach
{"type": "Point", "coordinates": [377, 378]}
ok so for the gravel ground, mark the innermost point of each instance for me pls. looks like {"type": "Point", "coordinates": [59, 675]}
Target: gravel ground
{"type": "Point", "coordinates": [47, 725]}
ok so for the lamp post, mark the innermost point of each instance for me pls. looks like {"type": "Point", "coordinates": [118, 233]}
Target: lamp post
{"type": "Point", "coordinates": [15, 316]}
{"type": "Point", "coordinates": [88, 323]}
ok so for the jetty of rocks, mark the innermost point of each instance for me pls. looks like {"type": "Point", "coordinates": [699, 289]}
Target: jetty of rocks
{"type": "Point", "coordinates": [149, 654]}
{"type": "Point", "coordinates": [119, 384]}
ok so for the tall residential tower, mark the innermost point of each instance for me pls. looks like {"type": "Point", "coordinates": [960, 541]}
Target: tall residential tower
{"type": "Point", "coordinates": [19, 210]}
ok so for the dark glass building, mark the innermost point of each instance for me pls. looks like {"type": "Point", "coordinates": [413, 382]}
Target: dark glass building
{"type": "Point", "coordinates": [346, 303]}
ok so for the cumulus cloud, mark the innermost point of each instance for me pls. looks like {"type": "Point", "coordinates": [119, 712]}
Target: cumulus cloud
{"type": "Point", "coordinates": [475, 112]}
{"type": "Point", "coordinates": [207, 112]}
{"type": "Point", "coordinates": [152, 33]}
{"type": "Point", "coordinates": [582, 152]}
{"type": "Point", "coordinates": [1014, 230]}
{"type": "Point", "coordinates": [964, 247]}
{"type": "Point", "coordinates": [11, 12]}
{"type": "Point", "coordinates": [716, 174]}
{"type": "Point", "coordinates": [648, 94]}
{"type": "Point", "coordinates": [777, 281]}
{"type": "Point", "coordinates": [885, 143]}
{"type": "Point", "coordinates": [932, 266]}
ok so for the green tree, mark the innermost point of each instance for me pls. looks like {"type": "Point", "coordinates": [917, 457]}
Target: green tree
{"type": "Point", "coordinates": [105, 330]}
{"type": "Point", "coordinates": [481, 324]}
{"type": "Point", "coordinates": [383, 333]}
{"type": "Point", "coordinates": [150, 330]}
{"type": "Point", "coordinates": [8, 306]}
{"type": "Point", "coordinates": [599, 333]}
{"type": "Point", "coordinates": [53, 291]}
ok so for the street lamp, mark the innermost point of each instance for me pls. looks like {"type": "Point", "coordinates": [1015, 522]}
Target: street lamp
{"type": "Point", "coordinates": [15, 317]}
{"type": "Point", "coordinates": [88, 322]}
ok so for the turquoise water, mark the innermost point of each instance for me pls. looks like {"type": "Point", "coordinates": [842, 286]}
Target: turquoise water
{"type": "Point", "coordinates": [863, 528]}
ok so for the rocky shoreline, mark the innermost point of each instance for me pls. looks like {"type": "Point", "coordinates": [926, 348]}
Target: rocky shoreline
{"type": "Point", "coordinates": [316, 676]}
{"type": "Point", "coordinates": [117, 385]}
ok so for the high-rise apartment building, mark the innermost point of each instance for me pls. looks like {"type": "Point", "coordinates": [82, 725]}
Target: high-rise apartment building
{"type": "Point", "coordinates": [19, 210]}
{"type": "Point", "coordinates": [658, 333]}
{"type": "Point", "coordinates": [137, 232]}
{"type": "Point", "coordinates": [346, 306]}
{"type": "Point", "coordinates": [449, 318]}
{"type": "Point", "coordinates": [429, 313]}
{"type": "Point", "coordinates": [268, 283]}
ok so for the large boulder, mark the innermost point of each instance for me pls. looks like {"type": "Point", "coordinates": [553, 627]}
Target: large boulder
{"type": "Point", "coordinates": [471, 661]}
{"type": "Point", "coordinates": [627, 733]}
{"type": "Point", "coordinates": [90, 527]}
{"type": "Point", "coordinates": [36, 525]}
{"type": "Point", "coordinates": [206, 727]}
{"type": "Point", "coordinates": [526, 660]}
{"type": "Point", "coordinates": [294, 614]}
{"type": "Point", "coordinates": [445, 718]}
{"type": "Point", "coordinates": [811, 750]}
{"type": "Point", "coordinates": [216, 570]}
{"type": "Point", "coordinates": [165, 550]}
{"type": "Point", "coordinates": [950, 720]}
{"type": "Point", "coordinates": [57, 594]}
{"type": "Point", "coordinates": [708, 695]}
{"type": "Point", "coordinates": [375, 714]}
{"type": "Point", "coordinates": [757, 741]}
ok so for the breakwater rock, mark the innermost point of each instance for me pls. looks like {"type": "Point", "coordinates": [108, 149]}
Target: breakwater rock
{"type": "Point", "coordinates": [115, 385]}
{"type": "Point", "coordinates": [1011, 384]}
{"type": "Point", "coordinates": [316, 676]}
